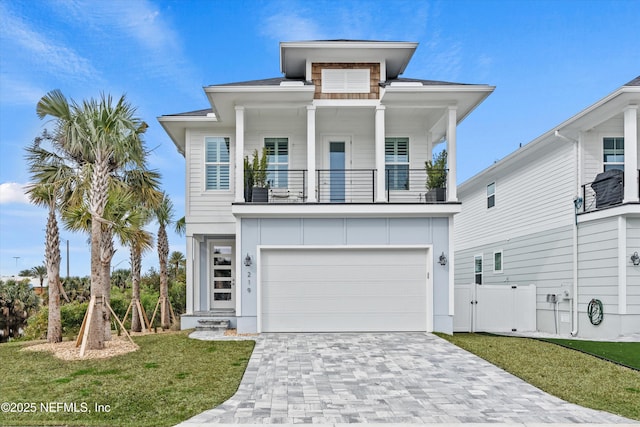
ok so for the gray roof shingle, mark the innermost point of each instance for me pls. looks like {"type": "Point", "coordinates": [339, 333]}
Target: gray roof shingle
{"type": "Point", "coordinates": [634, 82]}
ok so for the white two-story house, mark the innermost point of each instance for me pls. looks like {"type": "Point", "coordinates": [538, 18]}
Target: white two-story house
{"type": "Point", "coordinates": [562, 213]}
{"type": "Point", "coordinates": [348, 238]}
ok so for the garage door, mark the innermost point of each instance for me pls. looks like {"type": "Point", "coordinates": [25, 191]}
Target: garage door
{"type": "Point", "coordinates": [329, 290]}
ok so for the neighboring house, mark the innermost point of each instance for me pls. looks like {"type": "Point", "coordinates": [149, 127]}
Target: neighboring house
{"type": "Point", "coordinates": [547, 215]}
{"type": "Point", "coordinates": [348, 239]}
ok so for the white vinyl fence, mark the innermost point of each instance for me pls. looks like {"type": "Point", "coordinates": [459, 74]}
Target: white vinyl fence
{"type": "Point", "coordinates": [495, 308]}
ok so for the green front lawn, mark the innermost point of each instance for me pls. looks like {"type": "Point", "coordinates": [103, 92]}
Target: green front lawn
{"type": "Point", "coordinates": [570, 375]}
{"type": "Point", "coordinates": [169, 379]}
{"type": "Point", "coordinates": [626, 353]}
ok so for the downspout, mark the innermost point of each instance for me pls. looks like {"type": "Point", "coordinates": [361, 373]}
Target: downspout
{"type": "Point", "coordinates": [577, 204]}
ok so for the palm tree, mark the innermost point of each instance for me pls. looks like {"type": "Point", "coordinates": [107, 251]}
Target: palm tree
{"type": "Point", "coordinates": [164, 215]}
{"type": "Point", "coordinates": [17, 303]}
{"type": "Point", "coordinates": [52, 177]}
{"type": "Point", "coordinates": [176, 259]}
{"type": "Point", "coordinates": [107, 136]}
{"type": "Point", "coordinates": [181, 226]}
{"type": "Point", "coordinates": [139, 241]}
{"type": "Point", "coordinates": [40, 271]}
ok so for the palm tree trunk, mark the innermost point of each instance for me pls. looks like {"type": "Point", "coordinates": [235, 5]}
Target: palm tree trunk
{"type": "Point", "coordinates": [136, 326]}
{"type": "Point", "coordinates": [106, 255]}
{"type": "Point", "coordinates": [52, 254]}
{"type": "Point", "coordinates": [163, 254]}
{"type": "Point", "coordinates": [97, 202]}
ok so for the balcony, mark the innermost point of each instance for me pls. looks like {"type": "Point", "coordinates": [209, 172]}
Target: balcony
{"type": "Point", "coordinates": [344, 186]}
{"type": "Point", "coordinates": [606, 191]}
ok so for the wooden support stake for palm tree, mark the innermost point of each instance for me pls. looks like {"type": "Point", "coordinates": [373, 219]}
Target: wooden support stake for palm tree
{"type": "Point", "coordinates": [142, 315]}
{"type": "Point", "coordinates": [86, 323]}
{"type": "Point", "coordinates": [163, 302]}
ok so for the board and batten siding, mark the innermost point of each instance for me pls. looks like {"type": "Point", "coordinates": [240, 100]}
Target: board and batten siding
{"type": "Point", "coordinates": [531, 196]}
{"type": "Point", "coordinates": [633, 272]}
{"type": "Point", "coordinates": [202, 206]}
{"type": "Point", "coordinates": [598, 263]}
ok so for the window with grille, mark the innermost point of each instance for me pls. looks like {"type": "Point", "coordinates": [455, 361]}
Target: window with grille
{"type": "Point", "coordinates": [477, 268]}
{"type": "Point", "coordinates": [613, 153]}
{"type": "Point", "coordinates": [491, 195]}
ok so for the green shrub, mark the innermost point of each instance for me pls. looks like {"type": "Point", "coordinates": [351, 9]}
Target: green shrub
{"type": "Point", "coordinates": [178, 297]}
{"type": "Point", "coordinates": [71, 314]}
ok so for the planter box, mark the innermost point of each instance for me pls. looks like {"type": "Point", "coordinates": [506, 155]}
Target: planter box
{"type": "Point", "coordinates": [260, 195]}
{"type": "Point", "coordinates": [436, 195]}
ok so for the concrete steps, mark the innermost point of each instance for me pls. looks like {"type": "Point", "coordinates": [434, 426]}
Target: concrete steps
{"type": "Point", "coordinates": [213, 325]}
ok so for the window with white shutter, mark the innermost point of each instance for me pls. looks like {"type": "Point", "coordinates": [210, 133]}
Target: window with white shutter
{"type": "Point", "coordinates": [346, 81]}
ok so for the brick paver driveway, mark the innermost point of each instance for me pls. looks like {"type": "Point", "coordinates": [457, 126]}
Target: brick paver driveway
{"type": "Point", "coordinates": [383, 378]}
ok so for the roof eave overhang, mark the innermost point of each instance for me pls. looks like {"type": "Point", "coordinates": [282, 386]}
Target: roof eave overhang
{"type": "Point", "coordinates": [569, 129]}
{"type": "Point", "coordinates": [176, 126]}
{"type": "Point", "coordinates": [397, 56]}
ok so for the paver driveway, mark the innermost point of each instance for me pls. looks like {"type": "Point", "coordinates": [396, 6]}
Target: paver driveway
{"type": "Point", "coordinates": [383, 378]}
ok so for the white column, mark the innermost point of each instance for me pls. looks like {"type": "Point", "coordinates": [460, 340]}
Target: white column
{"type": "Point", "coordinates": [381, 195]}
{"type": "Point", "coordinates": [631, 154]}
{"type": "Point", "coordinates": [189, 274]}
{"type": "Point", "coordinates": [311, 154]}
{"type": "Point", "coordinates": [452, 190]}
{"type": "Point", "coordinates": [239, 160]}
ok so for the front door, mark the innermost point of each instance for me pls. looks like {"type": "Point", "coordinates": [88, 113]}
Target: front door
{"type": "Point", "coordinates": [222, 275]}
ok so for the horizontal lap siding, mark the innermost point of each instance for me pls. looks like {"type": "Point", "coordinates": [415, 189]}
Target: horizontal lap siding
{"type": "Point", "coordinates": [280, 123]}
{"type": "Point", "coordinates": [533, 197]}
{"type": "Point", "coordinates": [598, 263]}
{"type": "Point", "coordinates": [633, 272]}
{"type": "Point", "coordinates": [206, 206]}
{"type": "Point", "coordinates": [543, 259]}
{"type": "Point", "coordinates": [592, 155]}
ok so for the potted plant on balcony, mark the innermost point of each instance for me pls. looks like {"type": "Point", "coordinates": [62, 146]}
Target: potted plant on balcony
{"type": "Point", "coordinates": [256, 188]}
{"type": "Point", "coordinates": [436, 177]}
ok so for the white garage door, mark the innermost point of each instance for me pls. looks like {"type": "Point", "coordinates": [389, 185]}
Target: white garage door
{"type": "Point", "coordinates": [328, 290]}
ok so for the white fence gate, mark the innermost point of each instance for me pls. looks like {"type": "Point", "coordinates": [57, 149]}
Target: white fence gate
{"type": "Point", "coordinates": [495, 308]}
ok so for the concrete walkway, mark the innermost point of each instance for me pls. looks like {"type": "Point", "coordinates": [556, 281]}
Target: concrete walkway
{"type": "Point", "coordinates": [394, 378]}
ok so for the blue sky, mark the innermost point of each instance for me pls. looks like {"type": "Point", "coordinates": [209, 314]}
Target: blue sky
{"type": "Point", "coordinates": [547, 59]}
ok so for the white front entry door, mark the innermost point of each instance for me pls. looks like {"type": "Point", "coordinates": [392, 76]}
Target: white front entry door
{"type": "Point", "coordinates": [221, 275]}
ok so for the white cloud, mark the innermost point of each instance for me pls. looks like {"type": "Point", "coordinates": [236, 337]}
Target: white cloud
{"type": "Point", "coordinates": [16, 91]}
{"type": "Point", "coordinates": [289, 26]}
{"type": "Point", "coordinates": [12, 192]}
{"type": "Point", "coordinates": [51, 55]}
{"type": "Point", "coordinates": [137, 27]}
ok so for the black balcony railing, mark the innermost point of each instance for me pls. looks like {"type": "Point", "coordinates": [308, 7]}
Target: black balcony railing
{"type": "Point", "coordinates": [402, 185]}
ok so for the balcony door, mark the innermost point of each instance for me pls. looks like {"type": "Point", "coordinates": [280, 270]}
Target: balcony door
{"type": "Point", "coordinates": [338, 162]}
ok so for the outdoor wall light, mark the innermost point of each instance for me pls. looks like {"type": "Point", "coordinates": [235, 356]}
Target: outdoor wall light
{"type": "Point", "coordinates": [635, 258]}
{"type": "Point", "coordinates": [248, 261]}
{"type": "Point", "coordinates": [443, 259]}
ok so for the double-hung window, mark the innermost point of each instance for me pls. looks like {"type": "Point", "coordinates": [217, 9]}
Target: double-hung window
{"type": "Point", "coordinates": [396, 157]}
{"type": "Point", "coordinates": [278, 157]}
{"type": "Point", "coordinates": [477, 269]}
{"type": "Point", "coordinates": [491, 195]}
{"type": "Point", "coordinates": [216, 163]}
{"type": "Point", "coordinates": [613, 153]}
